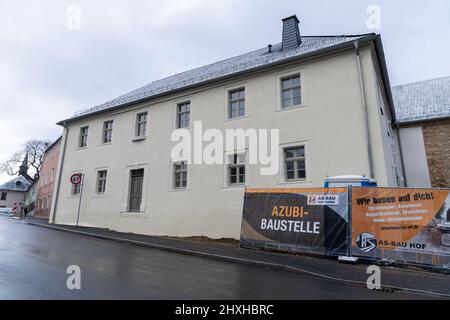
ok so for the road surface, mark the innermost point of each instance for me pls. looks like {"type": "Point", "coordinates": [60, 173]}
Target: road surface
{"type": "Point", "coordinates": [34, 260]}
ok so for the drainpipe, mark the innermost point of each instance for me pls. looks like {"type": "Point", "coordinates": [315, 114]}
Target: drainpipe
{"type": "Point", "coordinates": [401, 155]}
{"type": "Point", "coordinates": [364, 106]}
{"type": "Point", "coordinates": [66, 133]}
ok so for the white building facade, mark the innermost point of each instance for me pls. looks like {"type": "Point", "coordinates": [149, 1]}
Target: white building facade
{"type": "Point", "coordinates": [423, 115]}
{"type": "Point", "coordinates": [328, 97]}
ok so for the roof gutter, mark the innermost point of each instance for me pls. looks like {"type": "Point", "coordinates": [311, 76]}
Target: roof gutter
{"type": "Point", "coordinates": [364, 108]}
{"type": "Point", "coordinates": [385, 76]}
{"type": "Point", "coordinates": [345, 45]}
{"type": "Point", "coordinates": [400, 147]}
{"type": "Point", "coordinates": [419, 121]}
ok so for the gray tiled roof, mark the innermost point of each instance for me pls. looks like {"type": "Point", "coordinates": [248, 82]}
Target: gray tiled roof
{"type": "Point", "coordinates": [422, 100]}
{"type": "Point", "coordinates": [245, 62]}
{"type": "Point", "coordinates": [19, 183]}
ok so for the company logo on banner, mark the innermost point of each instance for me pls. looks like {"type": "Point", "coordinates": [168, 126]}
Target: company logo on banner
{"type": "Point", "coordinates": [323, 200]}
{"type": "Point", "coordinates": [366, 242]}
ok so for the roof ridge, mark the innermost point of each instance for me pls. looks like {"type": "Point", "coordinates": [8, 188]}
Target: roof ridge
{"type": "Point", "coordinates": [256, 50]}
{"type": "Point", "coordinates": [340, 35]}
{"type": "Point", "coordinates": [228, 59]}
{"type": "Point", "coordinates": [246, 61]}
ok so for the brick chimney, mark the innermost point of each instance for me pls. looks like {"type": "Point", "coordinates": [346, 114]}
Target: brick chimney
{"type": "Point", "coordinates": [291, 33]}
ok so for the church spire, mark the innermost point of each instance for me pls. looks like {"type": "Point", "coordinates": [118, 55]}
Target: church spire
{"type": "Point", "coordinates": [23, 169]}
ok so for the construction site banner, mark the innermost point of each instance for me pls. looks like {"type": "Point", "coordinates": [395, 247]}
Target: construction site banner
{"type": "Point", "coordinates": [407, 225]}
{"type": "Point", "coordinates": [298, 220]}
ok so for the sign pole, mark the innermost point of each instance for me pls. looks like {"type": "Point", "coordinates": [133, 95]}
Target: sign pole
{"type": "Point", "coordinates": [81, 195]}
{"type": "Point", "coordinates": [350, 220]}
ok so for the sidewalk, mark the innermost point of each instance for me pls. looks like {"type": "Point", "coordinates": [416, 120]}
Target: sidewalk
{"type": "Point", "coordinates": [392, 279]}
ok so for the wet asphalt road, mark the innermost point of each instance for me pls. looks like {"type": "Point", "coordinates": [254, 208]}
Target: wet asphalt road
{"type": "Point", "coordinates": [33, 263]}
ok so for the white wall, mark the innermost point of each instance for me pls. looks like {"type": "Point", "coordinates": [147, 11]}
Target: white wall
{"type": "Point", "coordinates": [11, 198]}
{"type": "Point", "coordinates": [387, 164]}
{"type": "Point", "coordinates": [330, 125]}
{"type": "Point", "coordinates": [415, 158]}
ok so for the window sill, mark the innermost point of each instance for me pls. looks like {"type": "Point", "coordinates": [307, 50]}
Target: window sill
{"type": "Point", "coordinates": [293, 182]}
{"type": "Point", "coordinates": [236, 118]}
{"type": "Point", "coordinates": [99, 196]}
{"type": "Point", "coordinates": [180, 190]}
{"type": "Point", "coordinates": [105, 144]}
{"type": "Point", "coordinates": [136, 139]}
{"type": "Point", "coordinates": [300, 106]}
{"type": "Point", "coordinates": [129, 214]}
{"type": "Point", "coordinates": [235, 186]}
{"type": "Point", "coordinates": [80, 148]}
{"type": "Point", "coordinates": [185, 128]}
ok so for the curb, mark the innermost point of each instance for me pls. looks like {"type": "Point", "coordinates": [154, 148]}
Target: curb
{"type": "Point", "coordinates": [268, 265]}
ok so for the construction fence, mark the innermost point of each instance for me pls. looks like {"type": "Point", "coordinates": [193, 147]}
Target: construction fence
{"type": "Point", "coordinates": [403, 225]}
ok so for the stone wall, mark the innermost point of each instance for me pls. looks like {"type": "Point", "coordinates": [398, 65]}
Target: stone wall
{"type": "Point", "coordinates": [437, 145]}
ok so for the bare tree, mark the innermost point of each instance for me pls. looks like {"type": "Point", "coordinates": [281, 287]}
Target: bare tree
{"type": "Point", "coordinates": [34, 149]}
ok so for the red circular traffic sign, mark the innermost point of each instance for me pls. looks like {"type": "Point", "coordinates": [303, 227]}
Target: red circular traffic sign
{"type": "Point", "coordinates": [75, 178]}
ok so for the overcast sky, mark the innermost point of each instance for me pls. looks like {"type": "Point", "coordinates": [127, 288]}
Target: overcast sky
{"type": "Point", "coordinates": [49, 70]}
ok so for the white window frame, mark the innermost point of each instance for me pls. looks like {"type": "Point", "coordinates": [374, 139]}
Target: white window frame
{"type": "Point", "coordinates": [172, 187]}
{"type": "Point", "coordinates": [230, 100]}
{"type": "Point", "coordinates": [295, 160]}
{"type": "Point", "coordinates": [135, 125]}
{"type": "Point", "coordinates": [177, 113]}
{"type": "Point", "coordinates": [174, 172]}
{"type": "Point", "coordinates": [175, 105]}
{"type": "Point", "coordinates": [97, 171]}
{"type": "Point", "coordinates": [103, 136]}
{"type": "Point", "coordinates": [279, 79]}
{"type": "Point", "coordinates": [227, 156]}
{"type": "Point", "coordinates": [80, 136]}
{"type": "Point", "coordinates": [308, 167]}
{"type": "Point", "coordinates": [227, 117]}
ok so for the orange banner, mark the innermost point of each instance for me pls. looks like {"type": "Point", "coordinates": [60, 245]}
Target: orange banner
{"type": "Point", "coordinates": [414, 220]}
